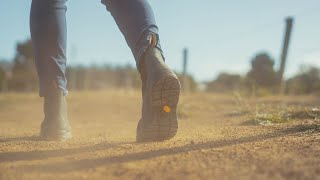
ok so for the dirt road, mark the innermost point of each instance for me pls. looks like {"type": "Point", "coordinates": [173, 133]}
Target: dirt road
{"type": "Point", "coordinates": [219, 138]}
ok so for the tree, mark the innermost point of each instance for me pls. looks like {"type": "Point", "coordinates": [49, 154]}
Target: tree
{"type": "Point", "coordinates": [225, 82]}
{"type": "Point", "coordinates": [24, 77]}
{"type": "Point", "coordinates": [306, 82]}
{"type": "Point", "coordinates": [262, 74]}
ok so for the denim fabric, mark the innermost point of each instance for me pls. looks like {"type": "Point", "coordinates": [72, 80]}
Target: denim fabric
{"type": "Point", "coordinates": [48, 27]}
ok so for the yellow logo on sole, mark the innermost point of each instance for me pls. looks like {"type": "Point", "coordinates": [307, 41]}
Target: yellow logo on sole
{"type": "Point", "coordinates": [166, 109]}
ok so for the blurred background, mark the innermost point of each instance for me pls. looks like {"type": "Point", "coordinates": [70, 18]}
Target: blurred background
{"type": "Point", "coordinates": [252, 47]}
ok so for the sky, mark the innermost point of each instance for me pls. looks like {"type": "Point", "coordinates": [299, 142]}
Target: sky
{"type": "Point", "coordinates": [221, 36]}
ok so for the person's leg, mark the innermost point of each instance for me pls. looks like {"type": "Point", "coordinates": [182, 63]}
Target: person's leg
{"type": "Point", "coordinates": [135, 20]}
{"type": "Point", "coordinates": [49, 37]}
{"type": "Point", "coordinates": [161, 87]}
{"type": "Point", "coordinates": [48, 33]}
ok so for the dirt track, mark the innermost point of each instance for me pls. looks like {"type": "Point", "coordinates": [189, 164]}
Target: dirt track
{"type": "Point", "coordinates": [215, 140]}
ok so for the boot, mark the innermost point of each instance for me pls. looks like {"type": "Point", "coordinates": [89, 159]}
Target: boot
{"type": "Point", "coordinates": [55, 126]}
{"type": "Point", "coordinates": [160, 93]}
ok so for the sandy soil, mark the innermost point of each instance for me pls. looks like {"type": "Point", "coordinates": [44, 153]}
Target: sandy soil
{"type": "Point", "coordinates": [215, 140]}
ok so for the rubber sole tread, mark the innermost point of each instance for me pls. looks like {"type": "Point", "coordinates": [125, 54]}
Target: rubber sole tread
{"type": "Point", "coordinates": [165, 94]}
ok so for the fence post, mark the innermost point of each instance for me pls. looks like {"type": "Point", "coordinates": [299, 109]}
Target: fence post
{"type": "Point", "coordinates": [184, 83]}
{"type": "Point", "coordinates": [289, 22]}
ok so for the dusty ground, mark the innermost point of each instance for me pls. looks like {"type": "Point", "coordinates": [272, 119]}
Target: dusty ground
{"type": "Point", "coordinates": [217, 139]}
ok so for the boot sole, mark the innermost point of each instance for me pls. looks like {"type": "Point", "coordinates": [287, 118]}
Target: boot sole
{"type": "Point", "coordinates": [61, 137]}
{"type": "Point", "coordinates": [165, 97]}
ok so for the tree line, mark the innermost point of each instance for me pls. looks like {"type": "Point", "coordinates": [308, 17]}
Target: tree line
{"type": "Point", "coordinates": [22, 75]}
{"type": "Point", "coordinates": [263, 79]}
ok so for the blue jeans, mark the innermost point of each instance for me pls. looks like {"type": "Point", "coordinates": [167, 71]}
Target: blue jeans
{"type": "Point", "coordinates": [48, 27]}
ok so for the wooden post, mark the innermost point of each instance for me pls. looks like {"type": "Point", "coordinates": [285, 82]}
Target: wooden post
{"type": "Point", "coordinates": [289, 22]}
{"type": "Point", "coordinates": [184, 70]}
{"type": "Point", "coordinates": [5, 82]}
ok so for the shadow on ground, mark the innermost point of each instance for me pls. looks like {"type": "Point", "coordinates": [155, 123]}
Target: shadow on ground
{"type": "Point", "coordinates": [38, 155]}
{"type": "Point", "coordinates": [76, 165]}
{"type": "Point", "coordinates": [15, 139]}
